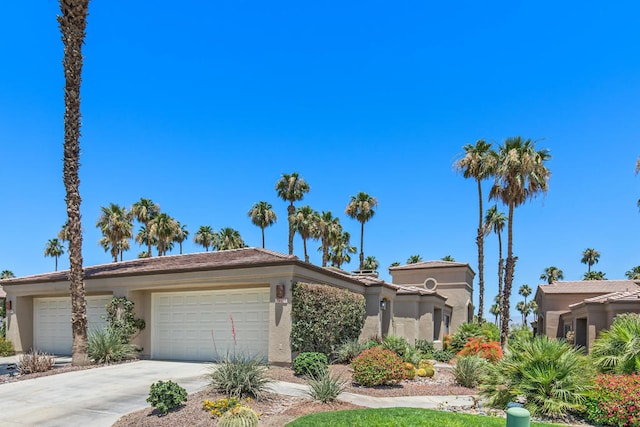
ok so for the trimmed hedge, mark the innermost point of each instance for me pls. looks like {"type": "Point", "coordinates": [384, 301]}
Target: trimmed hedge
{"type": "Point", "coordinates": [323, 317]}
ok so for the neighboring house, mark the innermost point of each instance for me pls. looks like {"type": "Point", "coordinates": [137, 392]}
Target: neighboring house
{"type": "Point", "coordinates": [584, 307]}
{"type": "Point", "coordinates": [204, 305]}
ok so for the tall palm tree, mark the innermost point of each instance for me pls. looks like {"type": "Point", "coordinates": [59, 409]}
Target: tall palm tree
{"type": "Point", "coordinates": [361, 208]}
{"type": "Point", "coordinates": [181, 235]}
{"type": "Point", "coordinates": [520, 175]}
{"type": "Point", "coordinates": [145, 210]}
{"type": "Point", "coordinates": [478, 163]}
{"type": "Point", "coordinates": [163, 229]}
{"type": "Point", "coordinates": [291, 188]}
{"type": "Point", "coordinates": [323, 227]}
{"type": "Point", "coordinates": [395, 264]}
{"type": "Point", "coordinates": [590, 256]}
{"type": "Point", "coordinates": [371, 263]}
{"type": "Point", "coordinates": [263, 216]}
{"type": "Point", "coordinates": [495, 310]}
{"type": "Point", "coordinates": [341, 248]}
{"type": "Point", "coordinates": [54, 249]}
{"type": "Point", "coordinates": [63, 234]}
{"type": "Point", "coordinates": [495, 220]}
{"type": "Point", "coordinates": [303, 221]}
{"type": "Point", "coordinates": [144, 237]}
{"type": "Point", "coordinates": [448, 258]}
{"type": "Point", "coordinates": [551, 274]}
{"type": "Point", "coordinates": [6, 274]}
{"type": "Point", "coordinates": [116, 224]}
{"type": "Point", "coordinates": [525, 291]}
{"type": "Point", "coordinates": [205, 236]}
{"type": "Point", "coordinates": [525, 310]}
{"type": "Point", "coordinates": [229, 238]}
{"type": "Point", "coordinates": [634, 273]}
{"type": "Point", "coordinates": [73, 22]}
{"type": "Point", "coordinates": [594, 275]}
{"type": "Point", "coordinates": [414, 259]}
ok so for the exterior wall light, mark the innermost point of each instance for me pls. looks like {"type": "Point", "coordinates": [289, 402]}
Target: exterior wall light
{"type": "Point", "coordinates": [383, 304]}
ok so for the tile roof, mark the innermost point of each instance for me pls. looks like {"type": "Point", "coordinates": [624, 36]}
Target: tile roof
{"type": "Point", "coordinates": [588, 286]}
{"type": "Point", "coordinates": [632, 295]}
{"type": "Point", "coordinates": [429, 264]}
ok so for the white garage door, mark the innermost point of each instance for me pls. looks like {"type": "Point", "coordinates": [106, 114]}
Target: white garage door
{"type": "Point", "coordinates": [52, 321]}
{"type": "Point", "coordinates": [200, 325]}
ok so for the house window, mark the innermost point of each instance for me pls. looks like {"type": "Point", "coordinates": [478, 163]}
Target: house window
{"type": "Point", "coordinates": [447, 321]}
{"type": "Point", "coordinates": [567, 328]}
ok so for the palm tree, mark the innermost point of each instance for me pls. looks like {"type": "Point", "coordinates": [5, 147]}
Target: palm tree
{"type": "Point", "coordinates": [448, 258]}
{"type": "Point", "coordinates": [478, 163]}
{"type": "Point", "coordinates": [116, 225]}
{"type": "Point", "coordinates": [617, 350]}
{"type": "Point", "coordinates": [495, 310]}
{"type": "Point", "coordinates": [54, 249]}
{"type": "Point", "coordinates": [551, 274]}
{"type": "Point", "coordinates": [361, 208]}
{"type": "Point", "coordinates": [145, 238]}
{"type": "Point", "coordinates": [73, 22]}
{"type": "Point", "coordinates": [291, 188]}
{"type": "Point", "coordinates": [63, 234]}
{"type": "Point", "coordinates": [163, 229]}
{"type": "Point", "coordinates": [303, 221]}
{"type": "Point", "coordinates": [414, 259]}
{"type": "Point", "coordinates": [525, 310]}
{"type": "Point", "coordinates": [205, 236]}
{"type": "Point", "coordinates": [341, 248]}
{"type": "Point", "coordinates": [590, 256]}
{"type": "Point", "coordinates": [371, 263]}
{"type": "Point", "coordinates": [394, 264]}
{"type": "Point", "coordinates": [228, 238]}
{"type": "Point", "coordinates": [520, 175]}
{"type": "Point", "coordinates": [181, 235]}
{"type": "Point", "coordinates": [594, 275]}
{"type": "Point", "coordinates": [495, 220]}
{"type": "Point", "coordinates": [634, 273]}
{"type": "Point", "coordinates": [525, 291]}
{"type": "Point", "coordinates": [6, 274]}
{"type": "Point", "coordinates": [323, 227]}
{"type": "Point", "coordinates": [144, 210]}
{"type": "Point", "coordinates": [263, 216]}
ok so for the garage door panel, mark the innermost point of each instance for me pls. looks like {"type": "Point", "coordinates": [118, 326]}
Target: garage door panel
{"type": "Point", "coordinates": [200, 326]}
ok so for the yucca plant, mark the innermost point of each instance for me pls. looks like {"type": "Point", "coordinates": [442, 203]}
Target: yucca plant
{"type": "Point", "coordinates": [326, 387]}
{"type": "Point", "coordinates": [469, 370]}
{"type": "Point", "coordinates": [551, 377]}
{"type": "Point", "coordinates": [106, 346]}
{"type": "Point", "coordinates": [617, 350]}
{"type": "Point", "coordinates": [240, 376]}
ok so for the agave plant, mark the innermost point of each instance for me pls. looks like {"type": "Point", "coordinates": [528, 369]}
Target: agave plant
{"type": "Point", "coordinates": [617, 350]}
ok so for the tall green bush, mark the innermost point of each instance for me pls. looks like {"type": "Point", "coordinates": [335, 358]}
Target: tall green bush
{"type": "Point", "coordinates": [121, 319]}
{"type": "Point", "coordinates": [617, 350]}
{"type": "Point", "coordinates": [323, 317]}
{"type": "Point", "coordinates": [6, 347]}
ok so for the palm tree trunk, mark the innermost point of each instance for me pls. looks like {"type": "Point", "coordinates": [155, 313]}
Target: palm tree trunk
{"type": "Point", "coordinates": [480, 243]}
{"type": "Point", "coordinates": [500, 265]}
{"type": "Point", "coordinates": [508, 281]}
{"type": "Point", "coordinates": [362, 246]}
{"type": "Point", "coordinates": [291, 210]}
{"type": "Point", "coordinates": [262, 228]}
{"type": "Point", "coordinates": [304, 244]}
{"type": "Point", "coordinates": [56, 263]}
{"type": "Point", "coordinates": [73, 21]}
{"type": "Point", "coordinates": [325, 250]}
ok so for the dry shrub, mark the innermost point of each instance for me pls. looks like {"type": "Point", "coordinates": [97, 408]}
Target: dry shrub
{"type": "Point", "coordinates": [35, 361]}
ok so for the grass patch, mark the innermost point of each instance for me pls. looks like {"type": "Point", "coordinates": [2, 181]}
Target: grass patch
{"type": "Point", "coordinates": [399, 417]}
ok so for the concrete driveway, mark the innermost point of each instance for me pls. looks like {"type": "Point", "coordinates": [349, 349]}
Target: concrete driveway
{"type": "Point", "coordinates": [93, 397]}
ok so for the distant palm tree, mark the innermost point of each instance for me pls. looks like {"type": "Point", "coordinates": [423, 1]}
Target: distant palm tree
{"type": "Point", "coordinates": [205, 236]}
{"type": "Point", "coordinates": [63, 234]}
{"type": "Point", "coordinates": [54, 249]}
{"type": "Point", "coordinates": [341, 248]}
{"type": "Point", "coordinates": [495, 310]}
{"type": "Point", "coordinates": [145, 210]}
{"type": "Point", "coordinates": [478, 163]}
{"type": "Point", "coordinates": [182, 233]}
{"type": "Point", "coordinates": [520, 175]}
{"type": "Point", "coordinates": [291, 188]}
{"type": "Point", "coordinates": [303, 221]}
{"type": "Point", "coordinates": [525, 310]}
{"type": "Point", "coordinates": [414, 259]}
{"type": "Point", "coordinates": [324, 226]}
{"type": "Point", "coordinates": [163, 229]}
{"type": "Point", "coordinates": [590, 256]}
{"type": "Point", "coordinates": [361, 208]}
{"type": "Point", "coordinates": [145, 238]}
{"type": "Point", "coordinates": [116, 225]}
{"type": "Point", "coordinates": [6, 274]}
{"type": "Point", "coordinates": [263, 216]}
{"type": "Point", "coordinates": [525, 291]}
{"type": "Point", "coordinates": [394, 264]}
{"type": "Point", "coordinates": [371, 263]}
{"type": "Point", "coordinates": [495, 220]}
{"type": "Point", "coordinates": [552, 274]}
{"type": "Point", "coordinates": [448, 258]}
{"type": "Point", "coordinates": [634, 273]}
{"type": "Point", "coordinates": [228, 238]}
{"type": "Point", "coordinates": [594, 275]}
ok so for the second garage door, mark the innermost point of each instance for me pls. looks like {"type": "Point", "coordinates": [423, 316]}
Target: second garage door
{"type": "Point", "coordinates": [208, 325]}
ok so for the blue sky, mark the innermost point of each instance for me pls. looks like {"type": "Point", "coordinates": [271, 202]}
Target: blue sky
{"type": "Point", "coordinates": [201, 108]}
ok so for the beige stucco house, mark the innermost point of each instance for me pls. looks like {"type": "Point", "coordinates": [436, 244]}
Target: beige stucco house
{"type": "Point", "coordinates": [584, 307]}
{"type": "Point", "coordinates": [201, 306]}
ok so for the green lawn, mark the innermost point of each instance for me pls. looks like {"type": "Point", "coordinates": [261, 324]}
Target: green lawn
{"type": "Point", "coordinates": [399, 417]}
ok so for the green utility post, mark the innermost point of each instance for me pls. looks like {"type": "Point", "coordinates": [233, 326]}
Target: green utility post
{"type": "Point", "coordinates": [518, 417]}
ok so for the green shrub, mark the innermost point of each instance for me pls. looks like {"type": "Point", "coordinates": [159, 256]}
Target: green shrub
{"type": "Point", "coordinates": [121, 319]}
{"type": "Point", "coordinates": [106, 346]}
{"type": "Point", "coordinates": [412, 355]}
{"type": "Point", "coordinates": [240, 416]}
{"type": "Point", "coordinates": [310, 363]}
{"type": "Point", "coordinates": [469, 370]}
{"type": "Point", "coordinates": [325, 387]}
{"type": "Point", "coordinates": [239, 376]}
{"type": "Point", "coordinates": [490, 331]}
{"type": "Point", "coordinates": [347, 351]}
{"type": "Point", "coordinates": [396, 344]}
{"type": "Point", "coordinates": [34, 361]}
{"type": "Point", "coordinates": [372, 343]}
{"type": "Point", "coordinates": [519, 333]}
{"type": "Point", "coordinates": [377, 366]}
{"type": "Point", "coordinates": [614, 400]}
{"type": "Point", "coordinates": [166, 395]}
{"type": "Point", "coordinates": [617, 350]}
{"type": "Point", "coordinates": [323, 317]}
{"type": "Point", "coordinates": [549, 374]}
{"type": "Point", "coordinates": [6, 348]}
{"type": "Point", "coordinates": [443, 356]}
{"type": "Point", "coordinates": [425, 346]}
{"type": "Point", "coordinates": [462, 335]}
